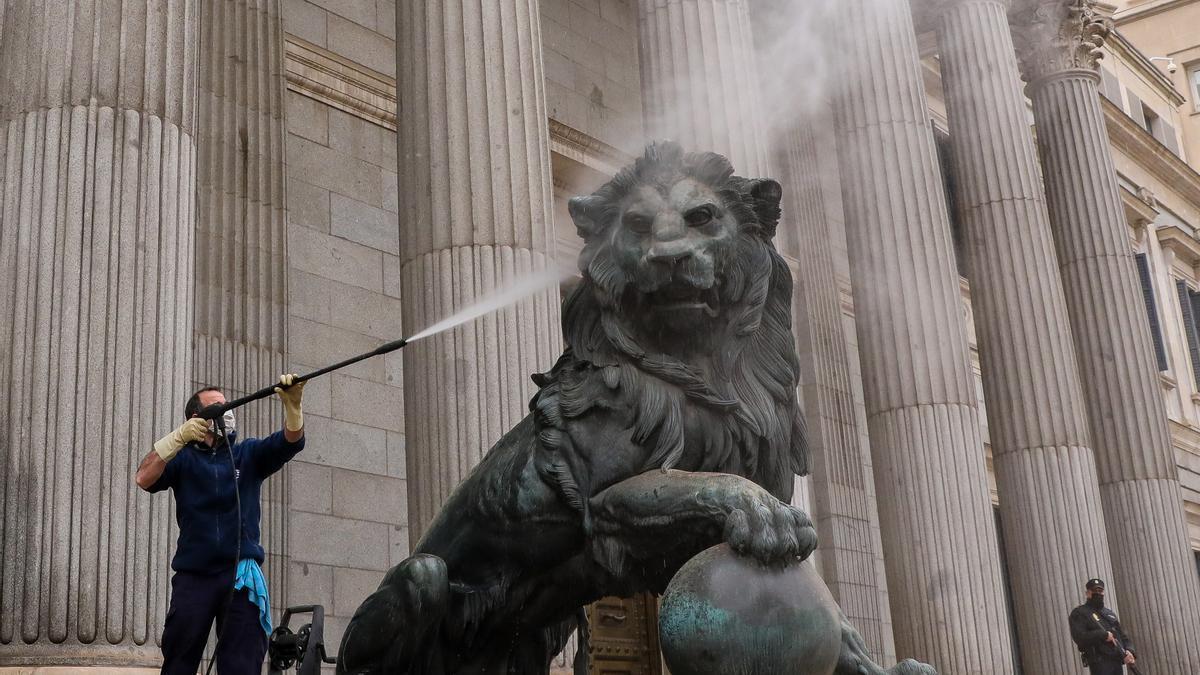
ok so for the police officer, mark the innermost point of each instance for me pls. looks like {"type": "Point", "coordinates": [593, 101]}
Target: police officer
{"type": "Point", "coordinates": [1097, 632]}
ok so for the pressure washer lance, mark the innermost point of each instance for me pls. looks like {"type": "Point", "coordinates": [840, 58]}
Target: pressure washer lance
{"type": "Point", "coordinates": [216, 410]}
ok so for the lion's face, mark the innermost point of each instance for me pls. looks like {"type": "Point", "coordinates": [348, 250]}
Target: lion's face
{"type": "Point", "coordinates": [678, 250]}
{"type": "Point", "coordinates": [667, 243]}
{"type": "Point", "coordinates": [685, 305]}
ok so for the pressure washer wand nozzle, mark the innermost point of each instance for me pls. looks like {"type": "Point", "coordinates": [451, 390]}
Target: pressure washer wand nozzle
{"type": "Point", "coordinates": [214, 411]}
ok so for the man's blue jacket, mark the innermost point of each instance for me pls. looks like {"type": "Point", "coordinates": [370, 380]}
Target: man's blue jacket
{"type": "Point", "coordinates": [205, 507]}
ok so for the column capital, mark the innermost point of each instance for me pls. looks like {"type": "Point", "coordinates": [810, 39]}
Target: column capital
{"type": "Point", "coordinates": [1058, 36]}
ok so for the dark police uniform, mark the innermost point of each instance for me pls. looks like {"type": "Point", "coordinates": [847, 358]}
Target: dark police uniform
{"type": "Point", "coordinates": [206, 510]}
{"type": "Point", "coordinates": [1089, 627]}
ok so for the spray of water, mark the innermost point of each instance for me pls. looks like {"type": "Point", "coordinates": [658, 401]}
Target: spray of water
{"type": "Point", "coordinates": [795, 48]}
{"type": "Point", "coordinates": [520, 288]}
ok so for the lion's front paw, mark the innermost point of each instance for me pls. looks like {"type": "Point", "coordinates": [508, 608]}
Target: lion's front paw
{"type": "Point", "coordinates": [770, 531]}
{"type": "Point", "coordinates": [911, 667]}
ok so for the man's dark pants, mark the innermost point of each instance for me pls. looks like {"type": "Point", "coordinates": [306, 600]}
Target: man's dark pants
{"type": "Point", "coordinates": [198, 599]}
{"type": "Point", "coordinates": [1107, 667]}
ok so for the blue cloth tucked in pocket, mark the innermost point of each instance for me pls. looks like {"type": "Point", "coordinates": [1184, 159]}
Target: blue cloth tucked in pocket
{"type": "Point", "coordinates": [250, 577]}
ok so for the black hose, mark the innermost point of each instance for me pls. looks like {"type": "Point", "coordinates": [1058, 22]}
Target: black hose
{"type": "Point", "coordinates": [237, 493]}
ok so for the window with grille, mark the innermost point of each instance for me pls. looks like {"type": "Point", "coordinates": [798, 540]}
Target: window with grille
{"type": "Point", "coordinates": [1189, 307]}
{"type": "Point", "coordinates": [1009, 605]}
{"type": "Point", "coordinates": [950, 184]}
{"type": "Point", "coordinates": [1160, 351]}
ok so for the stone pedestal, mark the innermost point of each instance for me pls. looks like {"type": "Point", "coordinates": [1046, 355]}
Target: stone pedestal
{"type": "Point", "coordinates": [95, 354]}
{"type": "Point", "coordinates": [475, 213]}
{"type": "Point", "coordinates": [1045, 468]}
{"type": "Point", "coordinates": [1154, 576]}
{"type": "Point", "coordinates": [935, 513]}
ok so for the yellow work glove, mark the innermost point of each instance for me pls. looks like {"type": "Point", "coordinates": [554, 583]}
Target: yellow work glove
{"type": "Point", "coordinates": [190, 431]}
{"type": "Point", "coordinates": [293, 417]}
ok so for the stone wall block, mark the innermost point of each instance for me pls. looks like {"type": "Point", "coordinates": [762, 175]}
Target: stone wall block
{"type": "Point", "coordinates": [365, 224]}
{"type": "Point", "coordinates": [369, 497]}
{"type": "Point", "coordinates": [350, 586]}
{"type": "Point", "coordinates": [315, 580]}
{"type": "Point", "coordinates": [310, 487]}
{"type": "Point", "coordinates": [335, 258]}
{"type": "Point", "coordinates": [336, 443]}
{"type": "Point", "coordinates": [338, 542]}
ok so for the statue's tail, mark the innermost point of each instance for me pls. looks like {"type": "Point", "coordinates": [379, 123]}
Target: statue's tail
{"type": "Point", "coordinates": [393, 628]}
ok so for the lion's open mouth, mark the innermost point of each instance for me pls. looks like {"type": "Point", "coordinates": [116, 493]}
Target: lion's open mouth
{"type": "Point", "coordinates": [676, 298]}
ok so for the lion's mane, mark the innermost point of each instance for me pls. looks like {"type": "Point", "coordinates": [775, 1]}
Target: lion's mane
{"type": "Point", "coordinates": [744, 403]}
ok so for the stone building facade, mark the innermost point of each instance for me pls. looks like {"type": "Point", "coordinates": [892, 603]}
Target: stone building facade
{"type": "Point", "coordinates": [994, 233]}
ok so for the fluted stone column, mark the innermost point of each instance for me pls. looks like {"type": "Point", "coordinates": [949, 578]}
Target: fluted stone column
{"type": "Point", "coordinates": [935, 513]}
{"type": "Point", "coordinates": [699, 81]}
{"type": "Point", "coordinates": [95, 348]}
{"type": "Point", "coordinates": [475, 212]}
{"type": "Point", "coordinates": [241, 281]}
{"type": "Point", "coordinates": [839, 487]}
{"type": "Point", "coordinates": [1153, 572]}
{"type": "Point", "coordinates": [1045, 467]}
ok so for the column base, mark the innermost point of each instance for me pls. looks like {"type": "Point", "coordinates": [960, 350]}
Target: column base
{"type": "Point", "coordinates": [75, 670]}
{"type": "Point", "coordinates": [71, 657]}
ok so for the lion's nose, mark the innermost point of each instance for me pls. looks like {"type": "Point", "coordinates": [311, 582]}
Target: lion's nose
{"type": "Point", "coordinates": [668, 253]}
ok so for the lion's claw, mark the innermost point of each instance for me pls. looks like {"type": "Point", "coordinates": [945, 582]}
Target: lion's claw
{"type": "Point", "coordinates": [911, 667]}
{"type": "Point", "coordinates": [770, 532]}
{"type": "Point", "coordinates": [906, 667]}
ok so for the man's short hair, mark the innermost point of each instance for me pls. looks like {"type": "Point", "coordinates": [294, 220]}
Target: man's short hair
{"type": "Point", "coordinates": [193, 404]}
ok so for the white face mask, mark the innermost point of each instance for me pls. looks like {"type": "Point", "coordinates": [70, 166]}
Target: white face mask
{"type": "Point", "coordinates": [230, 422]}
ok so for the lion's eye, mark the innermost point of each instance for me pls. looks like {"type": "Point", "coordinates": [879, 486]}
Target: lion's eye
{"type": "Point", "coordinates": [637, 223]}
{"type": "Point", "coordinates": [698, 218]}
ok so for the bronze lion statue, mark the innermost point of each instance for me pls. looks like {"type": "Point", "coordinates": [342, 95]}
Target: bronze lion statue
{"type": "Point", "coordinates": [669, 424]}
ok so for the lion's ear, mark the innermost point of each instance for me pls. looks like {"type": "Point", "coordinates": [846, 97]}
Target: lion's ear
{"type": "Point", "coordinates": [766, 193]}
{"type": "Point", "coordinates": [585, 211]}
